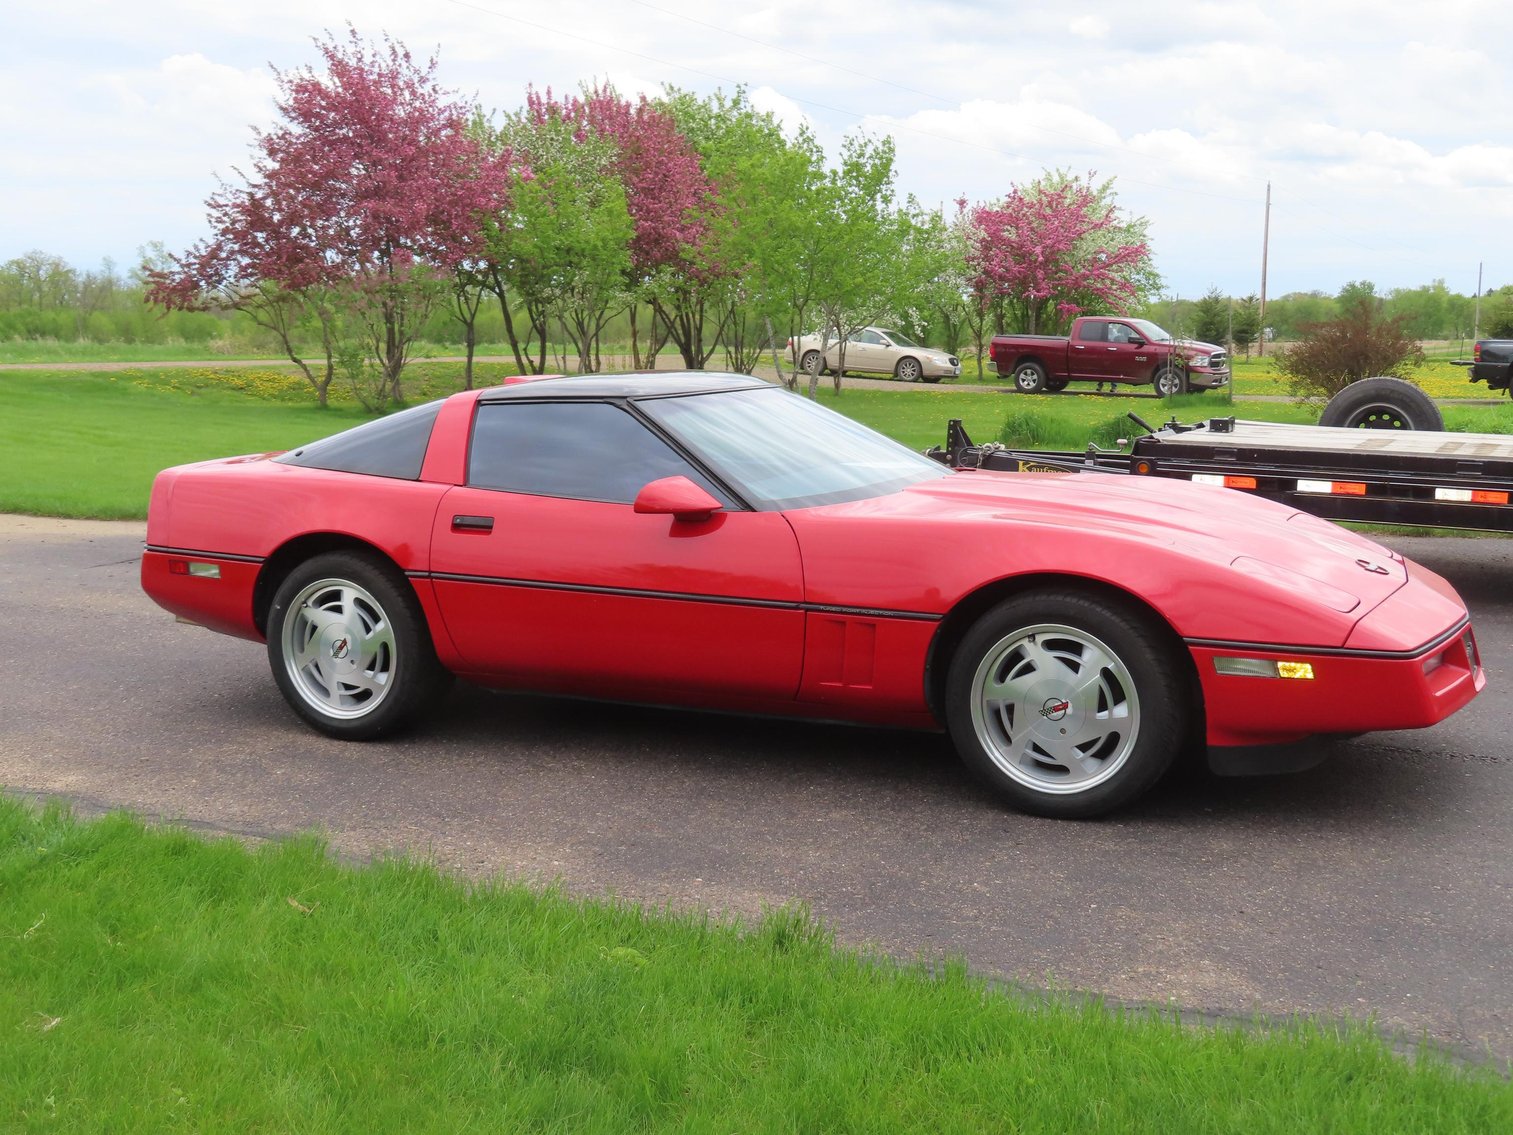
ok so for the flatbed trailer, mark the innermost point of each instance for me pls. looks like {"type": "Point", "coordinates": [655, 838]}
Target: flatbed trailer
{"type": "Point", "coordinates": [1376, 476]}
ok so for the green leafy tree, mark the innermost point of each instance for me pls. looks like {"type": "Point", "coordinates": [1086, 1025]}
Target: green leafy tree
{"type": "Point", "coordinates": [754, 231]}
{"type": "Point", "coordinates": [1287, 315]}
{"type": "Point", "coordinates": [1211, 317]}
{"type": "Point", "coordinates": [1247, 323]}
{"type": "Point", "coordinates": [1497, 313]}
{"type": "Point", "coordinates": [1426, 312]}
{"type": "Point", "coordinates": [562, 253]}
{"type": "Point", "coordinates": [857, 253]}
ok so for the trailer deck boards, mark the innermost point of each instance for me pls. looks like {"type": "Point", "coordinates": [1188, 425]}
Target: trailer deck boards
{"type": "Point", "coordinates": [1335, 441]}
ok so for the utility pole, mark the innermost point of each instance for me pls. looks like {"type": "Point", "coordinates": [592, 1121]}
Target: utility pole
{"type": "Point", "coordinates": [1265, 247]}
{"type": "Point", "coordinates": [1476, 319]}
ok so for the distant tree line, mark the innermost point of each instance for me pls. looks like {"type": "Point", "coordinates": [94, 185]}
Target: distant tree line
{"type": "Point", "coordinates": [1429, 312]}
{"type": "Point", "coordinates": [382, 211]}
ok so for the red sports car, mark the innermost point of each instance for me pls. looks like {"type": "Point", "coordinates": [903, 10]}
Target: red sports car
{"type": "Point", "coordinates": [715, 541]}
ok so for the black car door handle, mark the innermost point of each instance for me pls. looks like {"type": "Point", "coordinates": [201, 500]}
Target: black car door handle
{"type": "Point", "coordinates": [480, 524]}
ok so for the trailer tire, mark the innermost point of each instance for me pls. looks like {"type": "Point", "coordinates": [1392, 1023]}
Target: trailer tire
{"type": "Point", "coordinates": [1382, 403]}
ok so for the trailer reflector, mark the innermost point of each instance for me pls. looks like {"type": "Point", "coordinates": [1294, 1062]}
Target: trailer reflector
{"type": "Point", "coordinates": [1335, 488]}
{"type": "Point", "coordinates": [1472, 496]}
{"type": "Point", "coordinates": [1226, 480]}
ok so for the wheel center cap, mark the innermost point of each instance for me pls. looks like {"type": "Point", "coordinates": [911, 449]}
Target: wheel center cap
{"type": "Point", "coordinates": [341, 647]}
{"type": "Point", "coordinates": [1055, 709]}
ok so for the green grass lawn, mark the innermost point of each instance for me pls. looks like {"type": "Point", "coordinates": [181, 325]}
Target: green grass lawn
{"type": "Point", "coordinates": [153, 981]}
{"type": "Point", "coordinates": [87, 444]}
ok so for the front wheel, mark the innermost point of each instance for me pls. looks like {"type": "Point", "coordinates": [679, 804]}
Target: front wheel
{"type": "Point", "coordinates": [908, 369]}
{"type": "Point", "coordinates": [1029, 378]}
{"type": "Point", "coordinates": [350, 649]}
{"type": "Point", "coordinates": [1171, 382]}
{"type": "Point", "coordinates": [1066, 704]}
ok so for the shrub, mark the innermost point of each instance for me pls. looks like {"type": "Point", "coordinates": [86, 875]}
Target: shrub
{"type": "Point", "coordinates": [1361, 343]}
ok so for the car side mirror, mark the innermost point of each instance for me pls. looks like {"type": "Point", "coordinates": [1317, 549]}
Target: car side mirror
{"type": "Point", "coordinates": [1136, 341]}
{"type": "Point", "coordinates": [677, 497]}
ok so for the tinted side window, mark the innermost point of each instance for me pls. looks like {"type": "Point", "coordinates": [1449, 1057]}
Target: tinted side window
{"type": "Point", "coordinates": [1092, 331]}
{"type": "Point", "coordinates": [389, 447]}
{"type": "Point", "coordinates": [582, 450]}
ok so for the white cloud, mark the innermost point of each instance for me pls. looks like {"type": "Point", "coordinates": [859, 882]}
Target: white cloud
{"type": "Point", "coordinates": [1381, 127]}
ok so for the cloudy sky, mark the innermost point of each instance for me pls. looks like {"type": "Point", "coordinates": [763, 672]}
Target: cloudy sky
{"type": "Point", "coordinates": [1383, 128]}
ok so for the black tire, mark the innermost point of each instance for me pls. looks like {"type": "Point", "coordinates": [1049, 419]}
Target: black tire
{"type": "Point", "coordinates": [1029, 378]}
{"type": "Point", "coordinates": [1170, 382]}
{"type": "Point", "coordinates": [1382, 403]}
{"type": "Point", "coordinates": [1094, 703]}
{"type": "Point", "coordinates": [1054, 384]}
{"type": "Point", "coordinates": [355, 693]}
{"type": "Point", "coordinates": [907, 369]}
{"type": "Point", "coordinates": [810, 364]}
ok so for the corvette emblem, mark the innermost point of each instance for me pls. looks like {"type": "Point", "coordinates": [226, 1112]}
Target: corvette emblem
{"type": "Point", "coordinates": [339, 647]}
{"type": "Point", "coordinates": [1055, 708]}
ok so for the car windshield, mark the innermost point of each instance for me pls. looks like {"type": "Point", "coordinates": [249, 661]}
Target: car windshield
{"type": "Point", "coordinates": [780, 450]}
{"type": "Point", "coordinates": [1152, 333]}
{"type": "Point", "coordinates": [899, 340]}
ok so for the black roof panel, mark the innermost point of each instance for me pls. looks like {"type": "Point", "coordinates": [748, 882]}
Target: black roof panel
{"type": "Point", "coordinates": [639, 384]}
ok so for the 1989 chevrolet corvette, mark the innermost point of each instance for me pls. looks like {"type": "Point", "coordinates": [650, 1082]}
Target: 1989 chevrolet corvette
{"type": "Point", "coordinates": [714, 541]}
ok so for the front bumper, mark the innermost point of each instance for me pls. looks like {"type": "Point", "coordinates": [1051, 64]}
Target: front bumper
{"type": "Point", "coordinates": [1208, 379]}
{"type": "Point", "coordinates": [1349, 691]}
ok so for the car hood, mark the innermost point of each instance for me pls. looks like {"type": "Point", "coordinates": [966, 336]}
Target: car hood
{"type": "Point", "coordinates": [1104, 519]}
{"type": "Point", "coordinates": [1197, 347]}
{"type": "Point", "coordinates": [1222, 525]}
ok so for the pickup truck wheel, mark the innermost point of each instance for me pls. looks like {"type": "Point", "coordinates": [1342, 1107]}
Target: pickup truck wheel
{"type": "Point", "coordinates": [907, 369]}
{"type": "Point", "coordinates": [1382, 403]}
{"type": "Point", "coordinates": [1066, 704]}
{"type": "Point", "coordinates": [1056, 383]}
{"type": "Point", "coordinates": [1171, 382]}
{"type": "Point", "coordinates": [1029, 378]}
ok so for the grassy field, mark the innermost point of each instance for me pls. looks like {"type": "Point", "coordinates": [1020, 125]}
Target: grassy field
{"type": "Point", "coordinates": [153, 981]}
{"type": "Point", "coordinates": [87, 443]}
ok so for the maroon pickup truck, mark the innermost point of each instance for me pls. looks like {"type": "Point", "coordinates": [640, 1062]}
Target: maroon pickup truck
{"type": "Point", "coordinates": [1111, 349]}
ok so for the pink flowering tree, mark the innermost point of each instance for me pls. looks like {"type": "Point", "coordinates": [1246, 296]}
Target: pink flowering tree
{"type": "Point", "coordinates": [614, 217]}
{"type": "Point", "coordinates": [360, 204]}
{"type": "Point", "coordinates": [670, 202]}
{"type": "Point", "coordinates": [1059, 246]}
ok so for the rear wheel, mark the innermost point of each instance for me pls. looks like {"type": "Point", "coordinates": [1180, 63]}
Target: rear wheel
{"type": "Point", "coordinates": [1382, 403]}
{"type": "Point", "coordinates": [1066, 704]}
{"type": "Point", "coordinates": [811, 362]}
{"type": "Point", "coordinates": [350, 649]}
{"type": "Point", "coordinates": [1029, 378]}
